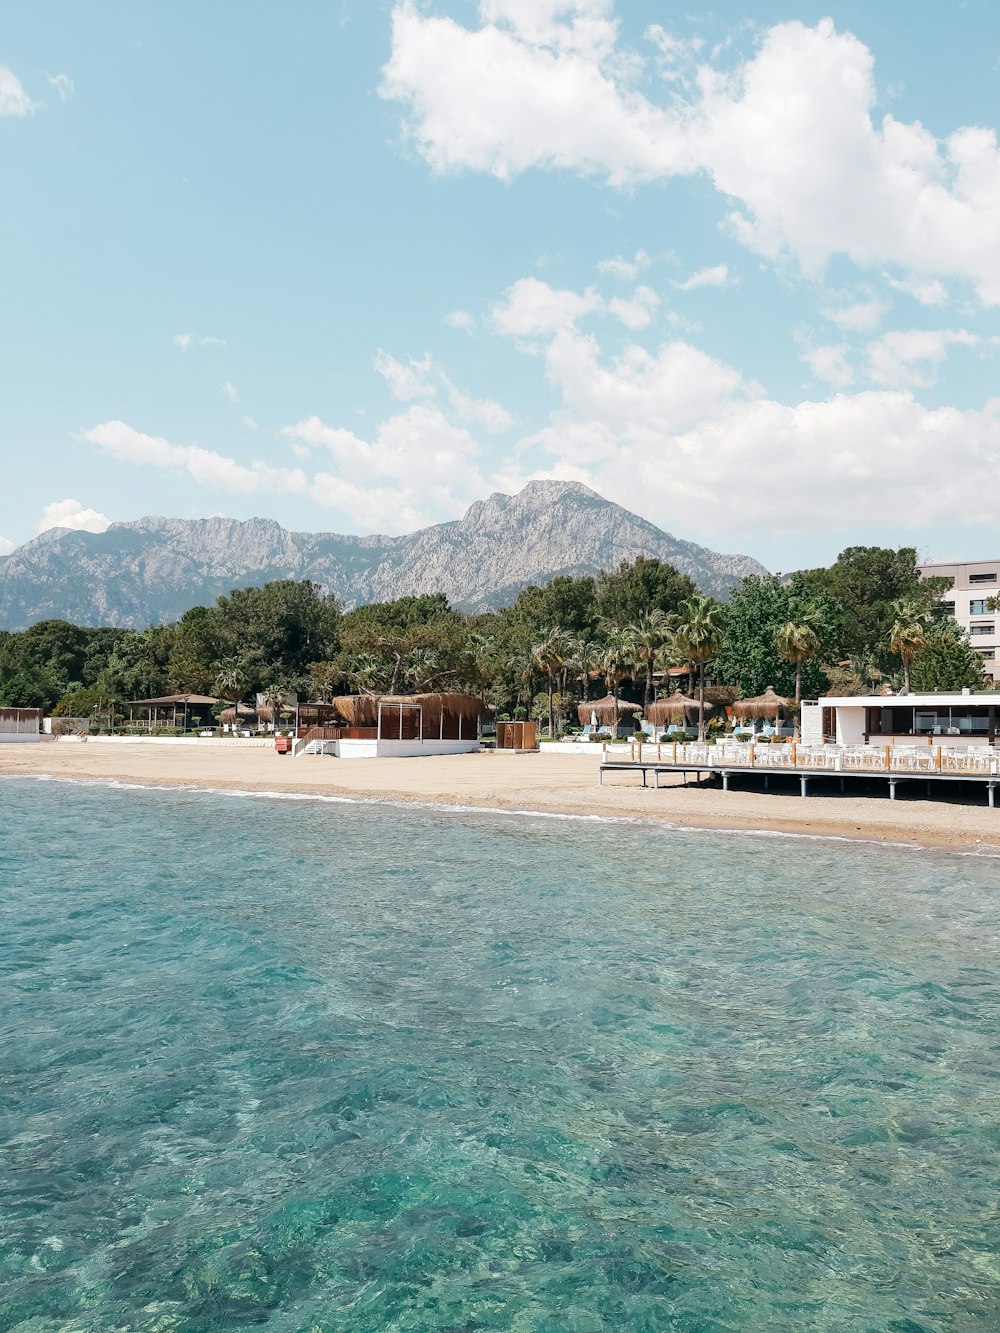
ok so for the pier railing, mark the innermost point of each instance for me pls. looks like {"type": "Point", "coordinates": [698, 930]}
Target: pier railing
{"type": "Point", "coordinates": [795, 757]}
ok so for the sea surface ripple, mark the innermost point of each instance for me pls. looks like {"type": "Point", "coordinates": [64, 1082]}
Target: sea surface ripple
{"type": "Point", "coordinates": [316, 1067]}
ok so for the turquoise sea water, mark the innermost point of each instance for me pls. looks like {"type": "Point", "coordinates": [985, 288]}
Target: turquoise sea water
{"type": "Point", "coordinates": [307, 1066]}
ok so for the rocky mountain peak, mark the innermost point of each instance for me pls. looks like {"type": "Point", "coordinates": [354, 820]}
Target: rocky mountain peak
{"type": "Point", "coordinates": [153, 569]}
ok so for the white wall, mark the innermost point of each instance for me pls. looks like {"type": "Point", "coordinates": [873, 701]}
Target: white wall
{"type": "Point", "coordinates": [811, 729]}
{"type": "Point", "coordinates": [850, 726]}
{"type": "Point", "coordinates": [15, 737]}
{"type": "Point", "coordinates": [412, 749]}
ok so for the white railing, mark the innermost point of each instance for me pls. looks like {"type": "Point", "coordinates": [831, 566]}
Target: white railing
{"type": "Point", "coordinates": [929, 760]}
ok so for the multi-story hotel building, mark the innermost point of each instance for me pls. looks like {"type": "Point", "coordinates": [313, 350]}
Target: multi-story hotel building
{"type": "Point", "coordinates": [972, 587]}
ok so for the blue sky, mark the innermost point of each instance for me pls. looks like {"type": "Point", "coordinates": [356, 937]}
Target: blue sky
{"type": "Point", "coordinates": [355, 265]}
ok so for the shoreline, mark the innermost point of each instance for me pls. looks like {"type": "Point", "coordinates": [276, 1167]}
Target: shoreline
{"type": "Point", "coordinates": [558, 786]}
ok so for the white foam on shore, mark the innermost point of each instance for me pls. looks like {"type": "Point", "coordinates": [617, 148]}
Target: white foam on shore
{"type": "Point", "coordinates": [646, 822]}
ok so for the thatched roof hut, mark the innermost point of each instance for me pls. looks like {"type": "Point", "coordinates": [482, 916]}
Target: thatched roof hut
{"type": "Point", "coordinates": [675, 708]}
{"type": "Point", "coordinates": [608, 710]}
{"type": "Point", "coordinates": [440, 714]}
{"type": "Point", "coordinates": [356, 710]}
{"type": "Point", "coordinates": [767, 704]}
{"type": "Point", "coordinates": [228, 715]}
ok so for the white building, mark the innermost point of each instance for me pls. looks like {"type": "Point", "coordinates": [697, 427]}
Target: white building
{"type": "Point", "coordinates": [972, 586]}
{"type": "Point", "coordinates": [948, 720]}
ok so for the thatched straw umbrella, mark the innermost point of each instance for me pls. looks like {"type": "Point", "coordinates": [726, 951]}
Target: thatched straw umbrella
{"type": "Point", "coordinates": [607, 710]}
{"type": "Point", "coordinates": [228, 715]}
{"type": "Point", "coordinates": [768, 705]}
{"type": "Point", "coordinates": [675, 708]}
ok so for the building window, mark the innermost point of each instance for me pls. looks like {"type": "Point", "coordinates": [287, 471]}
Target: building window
{"type": "Point", "coordinates": [982, 629]}
{"type": "Point", "coordinates": [979, 606]}
{"type": "Point", "coordinates": [982, 578]}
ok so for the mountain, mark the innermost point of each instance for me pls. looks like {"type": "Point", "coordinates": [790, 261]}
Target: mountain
{"type": "Point", "coordinates": [152, 570]}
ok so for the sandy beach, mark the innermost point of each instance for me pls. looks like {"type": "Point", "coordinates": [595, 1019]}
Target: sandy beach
{"type": "Point", "coordinates": [545, 783]}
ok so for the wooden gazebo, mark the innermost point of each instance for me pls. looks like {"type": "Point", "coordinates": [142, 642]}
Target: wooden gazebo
{"type": "Point", "coordinates": [174, 702]}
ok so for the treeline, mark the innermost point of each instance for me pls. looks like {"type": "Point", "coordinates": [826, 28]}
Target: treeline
{"type": "Point", "coordinates": [865, 620]}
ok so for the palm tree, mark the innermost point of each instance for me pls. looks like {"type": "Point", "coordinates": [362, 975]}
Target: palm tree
{"type": "Point", "coordinates": [907, 635]}
{"type": "Point", "coordinates": [232, 682]}
{"type": "Point", "coordinates": [648, 637]}
{"type": "Point", "coordinates": [550, 656]}
{"type": "Point", "coordinates": [868, 669]}
{"type": "Point", "coordinates": [274, 697]}
{"type": "Point", "coordinates": [617, 664]}
{"type": "Point", "coordinates": [699, 638]}
{"type": "Point", "coordinates": [586, 663]}
{"type": "Point", "coordinates": [796, 640]}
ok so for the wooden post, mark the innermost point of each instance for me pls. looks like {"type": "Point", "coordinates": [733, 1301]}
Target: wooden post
{"type": "Point", "coordinates": [674, 760]}
{"type": "Point", "coordinates": [888, 756]}
{"type": "Point", "coordinates": [752, 748]}
{"type": "Point", "coordinates": [938, 759]}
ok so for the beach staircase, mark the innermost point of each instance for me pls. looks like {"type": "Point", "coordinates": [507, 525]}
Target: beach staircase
{"type": "Point", "coordinates": [317, 740]}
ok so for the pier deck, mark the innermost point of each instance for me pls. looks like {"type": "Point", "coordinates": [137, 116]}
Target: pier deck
{"type": "Point", "coordinates": [805, 774]}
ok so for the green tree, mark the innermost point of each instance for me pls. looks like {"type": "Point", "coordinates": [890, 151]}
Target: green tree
{"type": "Point", "coordinates": [863, 583]}
{"type": "Point", "coordinates": [232, 680]}
{"type": "Point", "coordinates": [699, 637]}
{"type": "Point", "coordinates": [551, 656]}
{"type": "Point", "coordinates": [947, 660]}
{"type": "Point", "coordinates": [637, 587]}
{"type": "Point", "coordinates": [907, 634]}
{"type": "Point", "coordinates": [796, 640]}
{"type": "Point", "coordinates": [649, 636]}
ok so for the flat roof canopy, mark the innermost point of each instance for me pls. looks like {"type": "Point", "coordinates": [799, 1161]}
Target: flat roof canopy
{"type": "Point", "coordinates": [169, 700]}
{"type": "Point", "coordinates": [980, 699]}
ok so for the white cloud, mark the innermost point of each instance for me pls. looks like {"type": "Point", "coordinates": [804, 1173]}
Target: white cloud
{"type": "Point", "coordinates": [71, 514]}
{"type": "Point", "coordinates": [121, 441]}
{"type": "Point", "coordinates": [418, 465]}
{"type": "Point", "coordinates": [416, 379]}
{"type": "Point", "coordinates": [637, 311]}
{"type": "Point", "coordinates": [63, 85]}
{"type": "Point", "coordinates": [928, 291]}
{"type": "Point", "coordinates": [548, 85]}
{"type": "Point", "coordinates": [460, 319]}
{"type": "Point", "coordinates": [209, 341]}
{"type": "Point", "coordinates": [830, 365]}
{"type": "Point", "coordinates": [913, 357]}
{"type": "Point", "coordinates": [182, 340]}
{"type": "Point", "coordinates": [424, 379]}
{"type": "Point", "coordinates": [14, 101]}
{"type": "Point", "coordinates": [231, 392]}
{"type": "Point", "coordinates": [249, 423]}
{"type": "Point", "coordinates": [716, 276]}
{"type": "Point", "coordinates": [625, 269]}
{"type": "Point", "coordinates": [6, 546]}
{"type": "Point", "coordinates": [857, 316]}
{"type": "Point", "coordinates": [532, 308]}
{"type": "Point", "coordinates": [693, 437]}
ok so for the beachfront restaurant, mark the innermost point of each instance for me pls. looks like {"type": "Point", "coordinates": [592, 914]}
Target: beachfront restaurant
{"type": "Point", "coordinates": [948, 720]}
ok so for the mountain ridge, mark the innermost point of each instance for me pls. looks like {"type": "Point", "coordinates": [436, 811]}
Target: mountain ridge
{"type": "Point", "coordinates": [150, 570]}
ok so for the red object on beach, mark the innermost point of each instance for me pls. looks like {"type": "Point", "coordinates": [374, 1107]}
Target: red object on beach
{"type": "Point", "coordinates": [283, 744]}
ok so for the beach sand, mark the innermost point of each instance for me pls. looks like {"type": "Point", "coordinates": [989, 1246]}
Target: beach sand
{"type": "Point", "coordinates": [543, 783]}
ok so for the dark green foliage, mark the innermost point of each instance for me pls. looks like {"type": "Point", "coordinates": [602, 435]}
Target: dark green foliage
{"type": "Point", "coordinates": [749, 657]}
{"type": "Point", "coordinates": [637, 587]}
{"type": "Point", "coordinates": [947, 662]}
{"type": "Point", "coordinates": [863, 583]}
